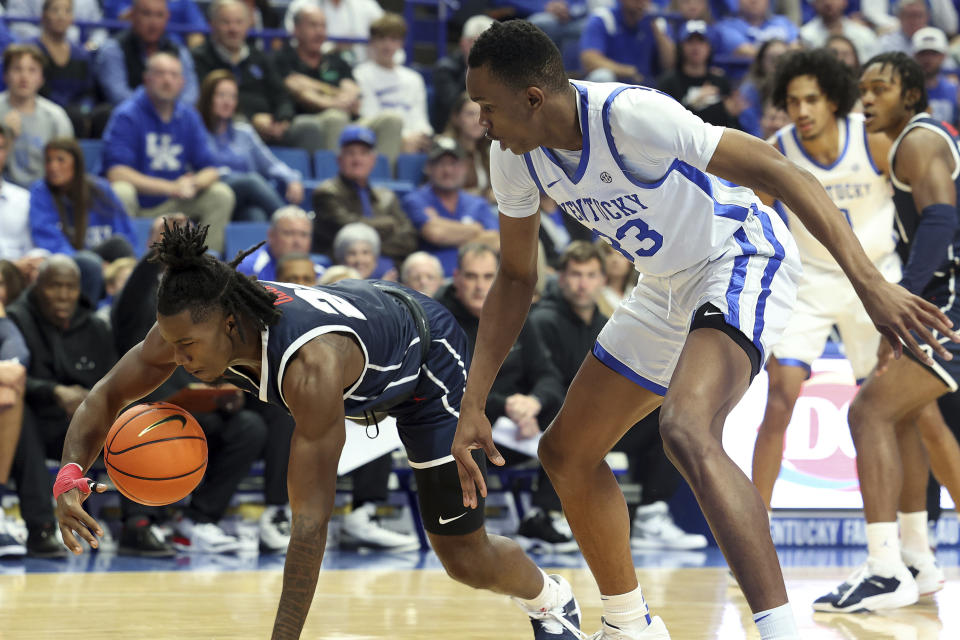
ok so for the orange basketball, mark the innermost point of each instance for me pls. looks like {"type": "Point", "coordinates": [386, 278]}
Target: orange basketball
{"type": "Point", "coordinates": [155, 453]}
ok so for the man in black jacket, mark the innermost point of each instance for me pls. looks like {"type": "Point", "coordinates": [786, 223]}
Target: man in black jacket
{"type": "Point", "coordinates": [70, 350]}
{"type": "Point", "coordinates": [528, 390]}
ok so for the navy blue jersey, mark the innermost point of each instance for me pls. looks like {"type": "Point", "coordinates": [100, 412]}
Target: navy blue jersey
{"type": "Point", "coordinates": [907, 216]}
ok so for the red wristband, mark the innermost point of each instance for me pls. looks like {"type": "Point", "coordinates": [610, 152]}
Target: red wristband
{"type": "Point", "coordinates": [70, 477]}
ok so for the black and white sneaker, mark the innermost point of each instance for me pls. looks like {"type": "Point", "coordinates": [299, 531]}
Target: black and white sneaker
{"type": "Point", "coordinates": [870, 588]}
{"type": "Point", "coordinates": [544, 532]}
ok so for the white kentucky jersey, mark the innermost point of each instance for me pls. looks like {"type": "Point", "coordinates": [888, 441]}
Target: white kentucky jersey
{"type": "Point", "coordinates": [640, 182]}
{"type": "Point", "coordinates": [855, 185]}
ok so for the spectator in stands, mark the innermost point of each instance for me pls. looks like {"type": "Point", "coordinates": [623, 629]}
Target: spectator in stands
{"type": "Point", "coordinates": [77, 214]}
{"type": "Point", "coordinates": [84, 10]}
{"type": "Point", "coordinates": [297, 268]}
{"type": "Point", "coordinates": [290, 232]}
{"type": "Point", "coordinates": [263, 101]}
{"type": "Point", "coordinates": [625, 43]}
{"type": "Point", "coordinates": [446, 216]}
{"type": "Point", "coordinates": [15, 238]}
{"type": "Point", "coordinates": [156, 154]}
{"type": "Point", "coordinates": [349, 197]}
{"type": "Point", "coordinates": [324, 91]}
{"type": "Point", "coordinates": [357, 245]}
{"type": "Point", "coordinates": [14, 357]}
{"type": "Point", "coordinates": [348, 19]}
{"type": "Point", "coordinates": [621, 278]}
{"type": "Point", "coordinates": [339, 272]}
{"type": "Point", "coordinates": [184, 13]}
{"type": "Point", "coordinates": [449, 74]}
{"type": "Point", "coordinates": [929, 50]}
{"type": "Point", "coordinates": [13, 281]}
{"type": "Point", "coordinates": [831, 19]}
{"type": "Point", "coordinates": [245, 162]}
{"type": "Point", "coordinates": [703, 90]}
{"type": "Point", "coordinates": [561, 20]}
{"type": "Point", "coordinates": [68, 69]}
{"type": "Point", "coordinates": [689, 10]}
{"type": "Point", "coordinates": [115, 276]}
{"type": "Point", "coordinates": [464, 127]}
{"type": "Point", "coordinates": [388, 87]}
{"type": "Point", "coordinates": [121, 65]}
{"type": "Point", "coordinates": [528, 389]}
{"type": "Point", "coordinates": [755, 88]}
{"type": "Point", "coordinates": [422, 272]}
{"type": "Point", "coordinates": [742, 35]}
{"type": "Point", "coordinates": [773, 119]}
{"type": "Point", "coordinates": [844, 49]}
{"type": "Point", "coordinates": [32, 119]}
{"type": "Point", "coordinates": [5, 41]}
{"type": "Point", "coordinates": [913, 15]}
{"type": "Point", "coordinates": [70, 350]}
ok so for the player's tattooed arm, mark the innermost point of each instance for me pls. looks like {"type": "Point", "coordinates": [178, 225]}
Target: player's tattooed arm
{"type": "Point", "coordinates": [313, 388]}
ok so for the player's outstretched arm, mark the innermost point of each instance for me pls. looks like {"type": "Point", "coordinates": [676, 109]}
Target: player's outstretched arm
{"type": "Point", "coordinates": [141, 370]}
{"type": "Point", "coordinates": [313, 388]}
{"type": "Point", "coordinates": [896, 312]}
{"type": "Point", "coordinates": [504, 312]}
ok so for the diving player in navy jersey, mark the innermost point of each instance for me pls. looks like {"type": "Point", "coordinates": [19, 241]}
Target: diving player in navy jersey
{"type": "Point", "coordinates": [358, 348]}
{"type": "Point", "coordinates": [925, 171]}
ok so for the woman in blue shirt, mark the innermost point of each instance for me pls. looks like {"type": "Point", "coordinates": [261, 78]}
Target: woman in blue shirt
{"type": "Point", "coordinates": [78, 214]}
{"type": "Point", "coordinates": [245, 162]}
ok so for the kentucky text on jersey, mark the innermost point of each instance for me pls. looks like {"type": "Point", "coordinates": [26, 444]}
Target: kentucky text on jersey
{"type": "Point", "coordinates": [583, 208]}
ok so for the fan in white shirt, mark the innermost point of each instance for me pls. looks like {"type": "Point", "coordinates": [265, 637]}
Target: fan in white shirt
{"type": "Point", "coordinates": [14, 209]}
{"type": "Point", "coordinates": [345, 19]}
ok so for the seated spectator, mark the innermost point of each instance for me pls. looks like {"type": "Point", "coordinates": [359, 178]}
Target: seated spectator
{"type": "Point", "coordinates": [68, 71]}
{"type": "Point", "coordinates": [464, 127]}
{"type": "Point", "coordinates": [689, 10]}
{"type": "Point", "coordinates": [388, 87]}
{"type": "Point", "coordinates": [156, 154]}
{"type": "Point", "coordinates": [121, 64]}
{"type": "Point", "coordinates": [774, 118]}
{"type": "Point", "coordinates": [297, 268]}
{"type": "Point", "coordinates": [76, 214]}
{"type": "Point", "coordinates": [913, 15]}
{"type": "Point", "coordinates": [742, 35]}
{"type": "Point", "coordinates": [115, 276]}
{"type": "Point", "coordinates": [449, 73]}
{"type": "Point", "coordinates": [621, 279]}
{"type": "Point", "coordinates": [357, 245]}
{"type": "Point", "coordinates": [527, 390]}
{"type": "Point", "coordinates": [422, 272]}
{"type": "Point", "coordinates": [263, 101]}
{"type": "Point", "coordinates": [349, 197]}
{"type": "Point", "coordinates": [32, 119]}
{"type": "Point", "coordinates": [831, 19]}
{"type": "Point", "coordinates": [15, 238]}
{"type": "Point", "coordinates": [70, 350]}
{"type": "Point", "coordinates": [182, 12]}
{"type": "Point", "coordinates": [83, 10]}
{"type": "Point", "coordinates": [13, 281]}
{"type": "Point", "coordinates": [446, 216]}
{"type": "Point", "coordinates": [755, 88]}
{"type": "Point", "coordinates": [561, 20]}
{"type": "Point", "coordinates": [701, 89]}
{"type": "Point", "coordinates": [846, 52]}
{"type": "Point", "coordinates": [929, 50]}
{"type": "Point", "coordinates": [339, 272]}
{"type": "Point", "coordinates": [245, 162]}
{"type": "Point", "coordinates": [625, 43]}
{"type": "Point", "coordinates": [345, 19]}
{"type": "Point", "coordinates": [290, 232]}
{"type": "Point", "coordinates": [14, 357]}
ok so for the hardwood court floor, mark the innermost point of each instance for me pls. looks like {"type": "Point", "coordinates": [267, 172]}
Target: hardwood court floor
{"type": "Point", "coordinates": [363, 604]}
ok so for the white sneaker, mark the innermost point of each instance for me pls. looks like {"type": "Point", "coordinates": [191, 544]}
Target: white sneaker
{"type": "Point", "coordinates": [12, 541]}
{"type": "Point", "coordinates": [870, 588]}
{"type": "Point", "coordinates": [361, 530]}
{"type": "Point", "coordinates": [927, 573]}
{"type": "Point", "coordinates": [203, 537]}
{"type": "Point", "coordinates": [654, 528]}
{"type": "Point", "coordinates": [656, 630]}
{"type": "Point", "coordinates": [274, 530]}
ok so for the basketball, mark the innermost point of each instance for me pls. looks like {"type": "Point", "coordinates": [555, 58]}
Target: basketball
{"type": "Point", "coordinates": [155, 453]}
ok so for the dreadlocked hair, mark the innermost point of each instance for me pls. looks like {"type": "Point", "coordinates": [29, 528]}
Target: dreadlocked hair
{"type": "Point", "coordinates": [194, 280]}
{"type": "Point", "coordinates": [910, 72]}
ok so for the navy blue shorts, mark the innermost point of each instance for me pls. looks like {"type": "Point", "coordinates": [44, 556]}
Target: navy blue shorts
{"type": "Point", "coordinates": [942, 292]}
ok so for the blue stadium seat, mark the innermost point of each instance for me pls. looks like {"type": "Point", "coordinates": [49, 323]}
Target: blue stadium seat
{"type": "Point", "coordinates": [92, 155]}
{"type": "Point", "coordinates": [298, 159]}
{"type": "Point", "coordinates": [410, 167]}
{"type": "Point", "coordinates": [325, 166]}
{"type": "Point", "coordinates": [243, 235]}
{"type": "Point", "coordinates": [141, 231]}
{"type": "Point", "coordinates": [381, 170]}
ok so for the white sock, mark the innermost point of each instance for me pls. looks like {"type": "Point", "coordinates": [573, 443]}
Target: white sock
{"type": "Point", "coordinates": [883, 543]}
{"type": "Point", "coordinates": [550, 597]}
{"type": "Point", "coordinates": [914, 534]}
{"type": "Point", "coordinates": [627, 611]}
{"type": "Point", "coordinates": [777, 624]}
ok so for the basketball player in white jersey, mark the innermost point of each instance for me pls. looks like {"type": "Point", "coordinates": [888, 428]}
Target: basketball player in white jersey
{"type": "Point", "coordinates": [719, 279]}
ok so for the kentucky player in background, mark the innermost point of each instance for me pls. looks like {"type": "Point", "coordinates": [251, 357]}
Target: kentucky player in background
{"type": "Point", "coordinates": [719, 279]}
{"type": "Point", "coordinates": [925, 171]}
{"type": "Point", "coordinates": [358, 348]}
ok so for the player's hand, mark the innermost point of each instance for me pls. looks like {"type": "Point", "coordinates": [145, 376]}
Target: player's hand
{"type": "Point", "coordinates": [74, 521]}
{"type": "Point", "coordinates": [896, 312]}
{"type": "Point", "coordinates": [473, 432]}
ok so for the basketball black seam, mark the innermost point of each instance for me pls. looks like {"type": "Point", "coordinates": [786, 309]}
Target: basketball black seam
{"type": "Point", "coordinates": [130, 475]}
{"type": "Point", "coordinates": [143, 444]}
{"type": "Point", "coordinates": [132, 418]}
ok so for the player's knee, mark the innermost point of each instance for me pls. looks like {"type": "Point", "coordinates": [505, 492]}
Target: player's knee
{"type": "Point", "coordinates": [858, 416]}
{"type": "Point", "coordinates": [686, 440]}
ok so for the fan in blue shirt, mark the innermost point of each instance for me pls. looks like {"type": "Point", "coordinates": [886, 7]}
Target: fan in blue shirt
{"type": "Point", "coordinates": [742, 35]}
{"type": "Point", "coordinates": [625, 43]}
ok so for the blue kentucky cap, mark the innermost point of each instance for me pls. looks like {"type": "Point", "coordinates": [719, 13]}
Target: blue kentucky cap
{"type": "Point", "coordinates": [356, 133]}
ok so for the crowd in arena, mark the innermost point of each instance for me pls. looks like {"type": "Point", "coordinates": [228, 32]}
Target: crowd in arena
{"type": "Point", "coordinates": [358, 163]}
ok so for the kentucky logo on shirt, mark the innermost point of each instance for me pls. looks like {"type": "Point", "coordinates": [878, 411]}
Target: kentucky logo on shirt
{"type": "Point", "coordinates": [163, 154]}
